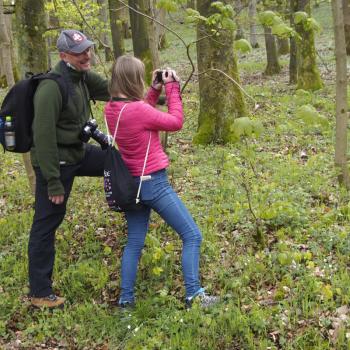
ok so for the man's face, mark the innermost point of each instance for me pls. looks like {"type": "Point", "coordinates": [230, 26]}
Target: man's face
{"type": "Point", "coordinates": [80, 61]}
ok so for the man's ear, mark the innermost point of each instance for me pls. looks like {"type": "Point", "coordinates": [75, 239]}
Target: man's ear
{"type": "Point", "coordinates": [63, 56]}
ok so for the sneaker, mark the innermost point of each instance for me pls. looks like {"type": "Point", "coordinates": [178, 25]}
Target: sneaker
{"type": "Point", "coordinates": [126, 305]}
{"type": "Point", "coordinates": [51, 301]}
{"type": "Point", "coordinates": [204, 299]}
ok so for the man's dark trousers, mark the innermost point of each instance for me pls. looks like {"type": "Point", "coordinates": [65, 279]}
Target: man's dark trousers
{"type": "Point", "coordinates": [48, 216]}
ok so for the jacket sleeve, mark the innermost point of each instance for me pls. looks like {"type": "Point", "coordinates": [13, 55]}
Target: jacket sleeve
{"type": "Point", "coordinates": [152, 96]}
{"type": "Point", "coordinates": [154, 119]}
{"type": "Point", "coordinates": [97, 86]}
{"type": "Point", "coordinates": [47, 109]}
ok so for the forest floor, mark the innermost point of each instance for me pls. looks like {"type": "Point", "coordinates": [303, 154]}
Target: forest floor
{"type": "Point", "coordinates": [291, 293]}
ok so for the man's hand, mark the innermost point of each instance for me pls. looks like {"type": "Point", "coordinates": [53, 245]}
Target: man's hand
{"type": "Point", "coordinates": [57, 199]}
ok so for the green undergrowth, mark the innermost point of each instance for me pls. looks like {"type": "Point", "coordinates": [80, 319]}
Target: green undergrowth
{"type": "Point", "coordinates": [276, 241]}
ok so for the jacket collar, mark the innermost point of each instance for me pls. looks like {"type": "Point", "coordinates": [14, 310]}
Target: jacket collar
{"type": "Point", "coordinates": [75, 75]}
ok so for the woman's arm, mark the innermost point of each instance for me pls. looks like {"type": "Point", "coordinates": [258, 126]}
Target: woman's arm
{"type": "Point", "coordinates": [154, 119]}
{"type": "Point", "coordinates": [152, 96]}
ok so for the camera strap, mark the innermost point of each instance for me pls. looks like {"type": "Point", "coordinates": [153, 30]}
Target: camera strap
{"type": "Point", "coordinates": [87, 97]}
{"type": "Point", "coordinates": [112, 143]}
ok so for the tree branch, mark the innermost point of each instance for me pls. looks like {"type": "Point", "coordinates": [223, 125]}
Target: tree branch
{"type": "Point", "coordinates": [230, 78]}
{"type": "Point", "coordinates": [96, 36]}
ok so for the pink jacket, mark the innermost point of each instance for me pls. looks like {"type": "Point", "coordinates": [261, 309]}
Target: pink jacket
{"type": "Point", "coordinates": [138, 120]}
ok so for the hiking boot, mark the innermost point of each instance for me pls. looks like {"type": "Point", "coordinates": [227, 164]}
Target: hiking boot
{"type": "Point", "coordinates": [51, 301]}
{"type": "Point", "coordinates": [204, 299]}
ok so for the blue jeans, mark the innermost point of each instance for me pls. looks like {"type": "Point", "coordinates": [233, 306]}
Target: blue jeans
{"type": "Point", "coordinates": [157, 194]}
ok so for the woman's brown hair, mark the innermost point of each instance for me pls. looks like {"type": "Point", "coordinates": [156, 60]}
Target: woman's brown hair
{"type": "Point", "coordinates": [128, 78]}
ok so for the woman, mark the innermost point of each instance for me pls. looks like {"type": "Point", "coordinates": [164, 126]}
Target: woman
{"type": "Point", "coordinates": [138, 130]}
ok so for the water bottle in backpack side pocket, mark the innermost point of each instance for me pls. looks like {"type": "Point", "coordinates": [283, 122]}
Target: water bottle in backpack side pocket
{"type": "Point", "coordinates": [9, 133]}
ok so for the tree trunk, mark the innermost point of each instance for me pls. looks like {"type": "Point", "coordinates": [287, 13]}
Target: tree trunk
{"type": "Point", "coordinates": [125, 18]}
{"type": "Point", "coordinates": [346, 15]}
{"type": "Point", "coordinates": [238, 10]}
{"type": "Point", "coordinates": [32, 49]}
{"type": "Point", "coordinates": [341, 95]}
{"type": "Point", "coordinates": [273, 66]}
{"type": "Point", "coordinates": [308, 73]}
{"type": "Point", "coordinates": [221, 100]}
{"type": "Point", "coordinates": [252, 24]}
{"type": "Point", "coordinates": [191, 4]}
{"type": "Point", "coordinates": [5, 44]}
{"type": "Point", "coordinates": [153, 34]}
{"type": "Point", "coordinates": [103, 17]}
{"type": "Point", "coordinates": [30, 27]}
{"type": "Point", "coordinates": [293, 64]}
{"type": "Point", "coordinates": [140, 39]}
{"type": "Point", "coordinates": [161, 32]}
{"type": "Point", "coordinates": [283, 46]}
{"type": "Point", "coordinates": [116, 24]}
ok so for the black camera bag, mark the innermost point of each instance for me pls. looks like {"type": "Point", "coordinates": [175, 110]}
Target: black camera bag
{"type": "Point", "coordinates": [18, 104]}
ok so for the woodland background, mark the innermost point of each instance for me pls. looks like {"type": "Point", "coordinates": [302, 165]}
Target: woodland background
{"type": "Point", "coordinates": [261, 163]}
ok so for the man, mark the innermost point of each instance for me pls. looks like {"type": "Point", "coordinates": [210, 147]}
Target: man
{"type": "Point", "coordinates": [58, 154]}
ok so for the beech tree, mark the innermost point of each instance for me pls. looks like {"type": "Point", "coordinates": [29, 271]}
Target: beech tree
{"type": "Point", "coordinates": [5, 49]}
{"type": "Point", "coordinates": [161, 32]}
{"type": "Point", "coordinates": [103, 17]}
{"type": "Point", "coordinates": [252, 13]}
{"type": "Point", "coordinates": [140, 35]}
{"type": "Point", "coordinates": [238, 7]}
{"type": "Point", "coordinates": [116, 25]}
{"type": "Point", "coordinates": [282, 46]}
{"type": "Point", "coordinates": [341, 94]}
{"type": "Point", "coordinates": [269, 19]}
{"type": "Point", "coordinates": [153, 33]}
{"type": "Point", "coordinates": [293, 64]}
{"type": "Point", "coordinates": [30, 29]}
{"type": "Point", "coordinates": [273, 65]}
{"type": "Point", "coordinates": [221, 99]}
{"type": "Point", "coordinates": [346, 16]}
{"type": "Point", "coordinates": [32, 49]}
{"type": "Point", "coordinates": [308, 73]}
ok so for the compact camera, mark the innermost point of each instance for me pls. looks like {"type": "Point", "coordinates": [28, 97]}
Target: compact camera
{"type": "Point", "coordinates": [90, 130]}
{"type": "Point", "coordinates": [159, 76]}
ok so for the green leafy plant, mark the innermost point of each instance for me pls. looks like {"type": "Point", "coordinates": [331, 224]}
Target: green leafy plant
{"type": "Point", "coordinates": [242, 45]}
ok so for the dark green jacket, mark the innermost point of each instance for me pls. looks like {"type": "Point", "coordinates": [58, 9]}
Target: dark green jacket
{"type": "Point", "coordinates": [56, 131]}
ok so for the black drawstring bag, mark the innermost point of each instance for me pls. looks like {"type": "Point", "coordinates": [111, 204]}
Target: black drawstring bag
{"type": "Point", "coordinates": [120, 187]}
{"type": "Point", "coordinates": [121, 190]}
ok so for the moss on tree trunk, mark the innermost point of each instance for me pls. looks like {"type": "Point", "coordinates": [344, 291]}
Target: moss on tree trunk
{"type": "Point", "coordinates": [30, 27]}
{"type": "Point", "coordinates": [221, 101]}
{"type": "Point", "coordinates": [308, 72]}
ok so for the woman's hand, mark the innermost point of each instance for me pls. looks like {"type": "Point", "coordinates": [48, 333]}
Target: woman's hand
{"type": "Point", "coordinates": [169, 75]}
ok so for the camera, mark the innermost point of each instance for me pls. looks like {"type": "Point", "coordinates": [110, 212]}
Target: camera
{"type": "Point", "coordinates": [159, 76]}
{"type": "Point", "coordinates": [90, 130]}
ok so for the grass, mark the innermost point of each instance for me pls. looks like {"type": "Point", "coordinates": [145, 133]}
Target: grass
{"type": "Point", "coordinates": [291, 294]}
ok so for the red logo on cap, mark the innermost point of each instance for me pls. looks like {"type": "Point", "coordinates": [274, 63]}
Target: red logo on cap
{"type": "Point", "coordinates": [77, 37]}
